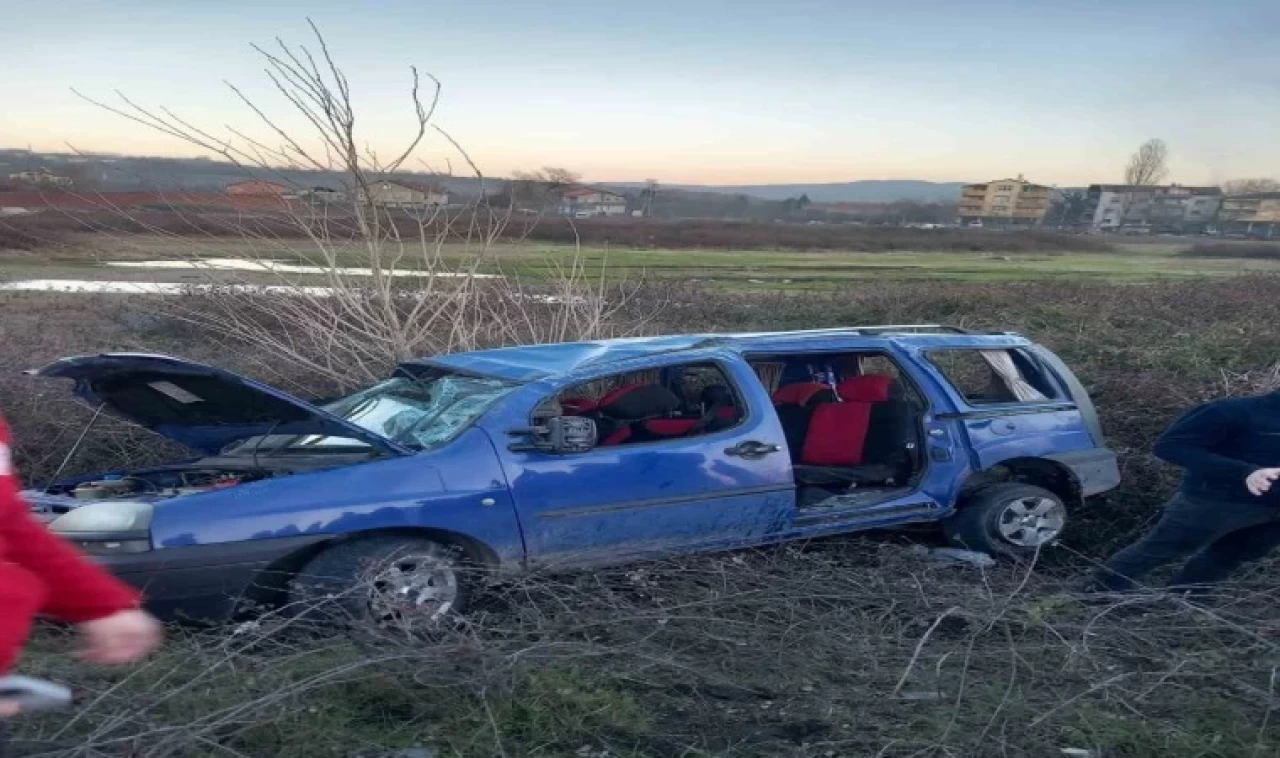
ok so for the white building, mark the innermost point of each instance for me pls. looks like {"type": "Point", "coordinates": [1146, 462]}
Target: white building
{"type": "Point", "coordinates": [42, 178]}
{"type": "Point", "coordinates": [589, 201]}
{"type": "Point", "coordinates": [1163, 208]}
{"type": "Point", "coordinates": [403, 194]}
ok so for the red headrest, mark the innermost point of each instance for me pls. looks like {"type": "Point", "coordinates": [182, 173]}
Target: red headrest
{"type": "Point", "coordinates": [798, 394]}
{"type": "Point", "coordinates": [615, 393]}
{"type": "Point", "coordinates": [871, 388]}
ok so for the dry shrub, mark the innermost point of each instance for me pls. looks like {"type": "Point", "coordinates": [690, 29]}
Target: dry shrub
{"type": "Point", "coordinates": [1246, 250]}
{"type": "Point", "coordinates": [746, 235]}
{"type": "Point", "coordinates": [14, 235]}
{"type": "Point", "coordinates": [847, 647]}
{"type": "Point", "coordinates": [49, 227]}
{"type": "Point", "coordinates": [173, 216]}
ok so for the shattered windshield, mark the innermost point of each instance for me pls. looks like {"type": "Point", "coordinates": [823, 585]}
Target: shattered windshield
{"type": "Point", "coordinates": [417, 412]}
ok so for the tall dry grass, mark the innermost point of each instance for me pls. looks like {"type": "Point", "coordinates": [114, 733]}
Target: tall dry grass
{"type": "Point", "coordinates": [850, 647]}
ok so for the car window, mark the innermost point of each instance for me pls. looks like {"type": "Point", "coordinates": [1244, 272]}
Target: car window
{"type": "Point", "coordinates": [769, 373]}
{"type": "Point", "coordinates": [878, 364]}
{"type": "Point", "coordinates": [653, 405]}
{"type": "Point", "coordinates": [993, 376]}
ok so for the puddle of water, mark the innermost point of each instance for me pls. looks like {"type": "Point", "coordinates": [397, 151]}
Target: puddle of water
{"type": "Point", "coordinates": [84, 286]}
{"type": "Point", "coordinates": [279, 267]}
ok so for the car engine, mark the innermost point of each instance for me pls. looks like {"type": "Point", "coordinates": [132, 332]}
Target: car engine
{"type": "Point", "coordinates": [150, 485]}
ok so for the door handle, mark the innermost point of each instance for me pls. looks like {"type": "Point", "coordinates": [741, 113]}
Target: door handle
{"type": "Point", "coordinates": [752, 449]}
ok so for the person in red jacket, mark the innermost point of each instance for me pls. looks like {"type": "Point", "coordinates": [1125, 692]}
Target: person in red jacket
{"type": "Point", "coordinates": [41, 574]}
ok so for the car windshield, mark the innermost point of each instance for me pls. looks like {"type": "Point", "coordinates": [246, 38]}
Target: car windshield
{"type": "Point", "coordinates": [416, 412]}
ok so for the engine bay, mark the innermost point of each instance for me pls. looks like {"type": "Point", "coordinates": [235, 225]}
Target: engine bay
{"type": "Point", "coordinates": [147, 485]}
{"type": "Point", "coordinates": [158, 484]}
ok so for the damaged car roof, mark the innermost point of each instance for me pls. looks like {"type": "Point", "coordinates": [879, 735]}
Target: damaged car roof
{"type": "Point", "coordinates": [533, 362]}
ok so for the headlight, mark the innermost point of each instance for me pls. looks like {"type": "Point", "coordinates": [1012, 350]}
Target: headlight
{"type": "Point", "coordinates": [116, 517]}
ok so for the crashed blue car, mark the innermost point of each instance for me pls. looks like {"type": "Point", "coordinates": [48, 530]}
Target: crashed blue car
{"type": "Point", "coordinates": [574, 455]}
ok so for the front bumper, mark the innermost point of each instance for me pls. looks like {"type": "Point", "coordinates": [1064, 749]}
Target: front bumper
{"type": "Point", "coordinates": [1096, 470]}
{"type": "Point", "coordinates": [203, 582]}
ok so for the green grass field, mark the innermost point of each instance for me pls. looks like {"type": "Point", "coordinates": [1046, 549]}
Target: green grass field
{"type": "Point", "coordinates": [735, 270]}
{"type": "Point", "coordinates": [832, 270]}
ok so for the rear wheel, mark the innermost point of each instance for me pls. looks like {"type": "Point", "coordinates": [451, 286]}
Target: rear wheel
{"type": "Point", "coordinates": [404, 584]}
{"type": "Point", "coordinates": [1010, 519]}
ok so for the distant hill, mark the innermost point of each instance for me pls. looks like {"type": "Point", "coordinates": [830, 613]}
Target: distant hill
{"type": "Point", "coordinates": [136, 173]}
{"type": "Point", "coordinates": [867, 191]}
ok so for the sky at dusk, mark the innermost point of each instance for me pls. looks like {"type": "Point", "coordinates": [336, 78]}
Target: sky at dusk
{"type": "Point", "coordinates": [694, 91]}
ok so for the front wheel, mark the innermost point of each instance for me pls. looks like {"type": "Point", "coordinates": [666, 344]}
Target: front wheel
{"type": "Point", "coordinates": [1010, 519]}
{"type": "Point", "coordinates": [405, 584]}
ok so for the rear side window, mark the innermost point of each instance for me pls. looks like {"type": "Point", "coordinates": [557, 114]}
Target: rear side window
{"type": "Point", "coordinates": [994, 376]}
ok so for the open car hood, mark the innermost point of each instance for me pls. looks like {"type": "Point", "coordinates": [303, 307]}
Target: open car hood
{"type": "Point", "coordinates": [202, 407]}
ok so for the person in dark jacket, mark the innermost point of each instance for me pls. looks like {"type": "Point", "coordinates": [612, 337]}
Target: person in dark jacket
{"type": "Point", "coordinates": [1227, 512]}
{"type": "Point", "coordinates": [41, 574]}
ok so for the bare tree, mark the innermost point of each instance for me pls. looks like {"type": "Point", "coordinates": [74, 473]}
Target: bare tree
{"type": "Point", "coordinates": [1069, 206]}
{"type": "Point", "coordinates": [348, 289]}
{"type": "Point", "coordinates": [538, 187]}
{"type": "Point", "coordinates": [1250, 186]}
{"type": "Point", "coordinates": [560, 176]}
{"type": "Point", "coordinates": [1147, 167]}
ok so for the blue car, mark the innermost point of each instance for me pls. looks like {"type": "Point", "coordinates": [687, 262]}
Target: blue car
{"type": "Point", "coordinates": [393, 499]}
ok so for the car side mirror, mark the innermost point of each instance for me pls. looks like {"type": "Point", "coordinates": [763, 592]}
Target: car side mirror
{"type": "Point", "coordinates": [570, 434]}
{"type": "Point", "coordinates": [560, 435]}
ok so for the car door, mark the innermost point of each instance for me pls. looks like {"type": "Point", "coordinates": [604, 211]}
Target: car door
{"type": "Point", "coordinates": [990, 420]}
{"type": "Point", "coordinates": [615, 503]}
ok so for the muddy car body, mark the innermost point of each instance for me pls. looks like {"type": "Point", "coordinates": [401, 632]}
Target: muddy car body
{"type": "Point", "coordinates": [574, 455]}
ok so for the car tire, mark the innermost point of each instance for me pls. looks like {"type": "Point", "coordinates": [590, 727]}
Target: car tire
{"type": "Point", "coordinates": [395, 584]}
{"type": "Point", "coordinates": [1009, 519]}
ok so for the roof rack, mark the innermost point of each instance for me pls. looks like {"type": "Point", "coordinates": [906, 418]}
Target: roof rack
{"type": "Point", "coordinates": [876, 329]}
{"type": "Point", "coordinates": [915, 328]}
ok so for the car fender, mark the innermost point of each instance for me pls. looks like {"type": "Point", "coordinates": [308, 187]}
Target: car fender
{"type": "Point", "coordinates": [457, 488]}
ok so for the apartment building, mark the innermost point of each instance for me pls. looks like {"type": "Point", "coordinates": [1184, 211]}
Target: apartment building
{"type": "Point", "coordinates": [1254, 214]}
{"type": "Point", "coordinates": [1005, 202]}
{"type": "Point", "coordinates": [1165, 208]}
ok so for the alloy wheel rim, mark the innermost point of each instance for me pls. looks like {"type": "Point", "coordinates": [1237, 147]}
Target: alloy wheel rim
{"type": "Point", "coordinates": [1032, 521]}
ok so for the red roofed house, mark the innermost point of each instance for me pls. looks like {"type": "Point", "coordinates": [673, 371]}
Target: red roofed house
{"type": "Point", "coordinates": [582, 202]}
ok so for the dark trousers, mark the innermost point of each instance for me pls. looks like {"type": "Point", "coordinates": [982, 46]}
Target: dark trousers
{"type": "Point", "coordinates": [1219, 537]}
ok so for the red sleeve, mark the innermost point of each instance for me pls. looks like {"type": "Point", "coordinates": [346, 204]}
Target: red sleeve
{"type": "Point", "coordinates": [77, 589]}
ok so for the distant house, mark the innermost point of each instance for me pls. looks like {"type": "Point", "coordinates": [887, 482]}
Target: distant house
{"type": "Point", "coordinates": [590, 201]}
{"type": "Point", "coordinates": [323, 195]}
{"type": "Point", "coordinates": [403, 194]}
{"type": "Point", "coordinates": [42, 178]}
{"type": "Point", "coordinates": [259, 188]}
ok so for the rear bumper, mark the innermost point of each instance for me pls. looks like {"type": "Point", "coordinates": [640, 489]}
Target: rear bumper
{"type": "Point", "coordinates": [203, 582]}
{"type": "Point", "coordinates": [1096, 470]}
